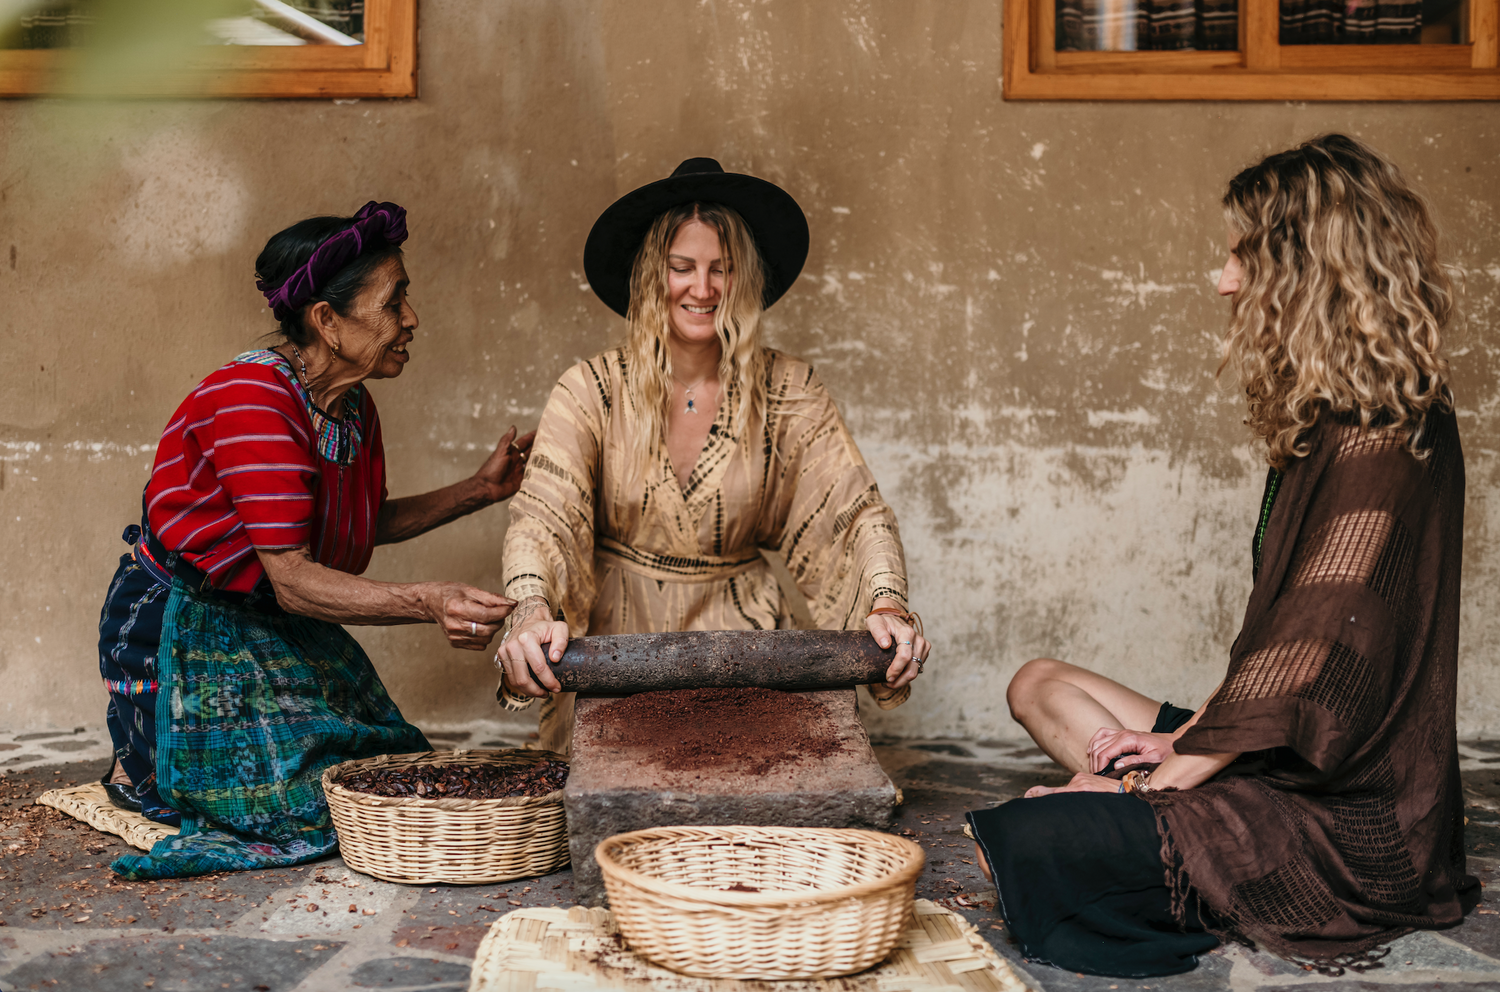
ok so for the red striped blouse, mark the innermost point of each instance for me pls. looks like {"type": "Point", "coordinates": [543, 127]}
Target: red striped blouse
{"type": "Point", "coordinates": [239, 468]}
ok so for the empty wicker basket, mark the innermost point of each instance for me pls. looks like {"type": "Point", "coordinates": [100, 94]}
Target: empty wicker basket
{"type": "Point", "coordinates": [760, 902]}
{"type": "Point", "coordinates": [456, 841]}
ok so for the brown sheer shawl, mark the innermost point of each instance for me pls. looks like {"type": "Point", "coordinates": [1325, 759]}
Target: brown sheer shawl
{"type": "Point", "coordinates": [1345, 830]}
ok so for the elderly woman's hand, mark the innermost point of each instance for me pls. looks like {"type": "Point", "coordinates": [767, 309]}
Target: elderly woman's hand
{"type": "Point", "coordinates": [469, 617]}
{"type": "Point", "coordinates": [912, 649]}
{"type": "Point", "coordinates": [502, 471]}
{"type": "Point", "coordinates": [534, 639]}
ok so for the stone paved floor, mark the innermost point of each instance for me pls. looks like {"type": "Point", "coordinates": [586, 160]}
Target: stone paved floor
{"type": "Point", "coordinates": [67, 922]}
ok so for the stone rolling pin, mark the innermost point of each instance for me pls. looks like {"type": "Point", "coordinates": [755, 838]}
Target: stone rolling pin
{"type": "Point", "coordinates": [613, 664]}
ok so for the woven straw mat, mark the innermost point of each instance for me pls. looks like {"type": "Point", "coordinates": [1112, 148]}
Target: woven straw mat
{"type": "Point", "coordinates": [580, 949]}
{"type": "Point", "coordinates": [89, 804]}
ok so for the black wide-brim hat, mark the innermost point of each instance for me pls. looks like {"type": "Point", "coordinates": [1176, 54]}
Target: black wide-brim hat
{"type": "Point", "coordinates": [776, 222]}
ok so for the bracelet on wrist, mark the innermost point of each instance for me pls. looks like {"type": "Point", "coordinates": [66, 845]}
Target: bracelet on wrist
{"type": "Point", "coordinates": [1136, 781]}
{"type": "Point", "coordinates": [524, 613]}
{"type": "Point", "coordinates": [908, 617]}
{"type": "Point", "coordinates": [512, 700]}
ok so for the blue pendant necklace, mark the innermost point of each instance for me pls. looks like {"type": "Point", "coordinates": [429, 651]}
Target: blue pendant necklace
{"type": "Point", "coordinates": [687, 392]}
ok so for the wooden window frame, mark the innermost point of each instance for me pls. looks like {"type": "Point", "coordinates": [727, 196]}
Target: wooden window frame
{"type": "Point", "coordinates": [384, 66]}
{"type": "Point", "coordinates": [1262, 69]}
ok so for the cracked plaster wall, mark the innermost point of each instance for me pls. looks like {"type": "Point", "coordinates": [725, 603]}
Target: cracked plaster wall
{"type": "Point", "coordinates": [1013, 302]}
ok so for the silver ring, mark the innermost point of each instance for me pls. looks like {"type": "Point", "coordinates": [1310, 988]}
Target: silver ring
{"type": "Point", "coordinates": [906, 642]}
{"type": "Point", "coordinates": [920, 662]}
{"type": "Point", "coordinates": [473, 628]}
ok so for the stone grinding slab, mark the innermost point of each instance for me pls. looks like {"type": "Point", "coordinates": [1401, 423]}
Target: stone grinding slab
{"type": "Point", "coordinates": [618, 781]}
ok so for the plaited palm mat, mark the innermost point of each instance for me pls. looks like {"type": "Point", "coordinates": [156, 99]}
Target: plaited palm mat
{"type": "Point", "coordinates": [580, 949]}
{"type": "Point", "coordinates": [89, 804]}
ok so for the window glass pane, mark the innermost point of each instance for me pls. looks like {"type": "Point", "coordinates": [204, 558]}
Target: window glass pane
{"type": "Point", "coordinates": [241, 22]}
{"type": "Point", "coordinates": [1374, 22]}
{"type": "Point", "coordinates": [1147, 25]}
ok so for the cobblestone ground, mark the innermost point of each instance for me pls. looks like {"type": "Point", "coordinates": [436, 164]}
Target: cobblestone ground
{"type": "Point", "coordinates": [67, 922]}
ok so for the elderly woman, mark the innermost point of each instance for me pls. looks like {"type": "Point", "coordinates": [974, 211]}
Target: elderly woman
{"type": "Point", "coordinates": [232, 685]}
{"type": "Point", "coordinates": [665, 467]}
{"type": "Point", "coordinates": [1312, 804]}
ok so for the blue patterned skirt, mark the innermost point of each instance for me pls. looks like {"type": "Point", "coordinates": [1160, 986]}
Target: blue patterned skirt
{"type": "Point", "coordinates": [129, 636]}
{"type": "Point", "coordinates": [253, 704]}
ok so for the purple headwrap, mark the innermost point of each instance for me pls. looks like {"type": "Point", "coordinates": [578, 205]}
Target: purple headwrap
{"type": "Point", "coordinates": [376, 223]}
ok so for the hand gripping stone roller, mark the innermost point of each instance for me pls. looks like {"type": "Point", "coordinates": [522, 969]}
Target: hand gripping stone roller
{"type": "Point", "coordinates": [616, 664]}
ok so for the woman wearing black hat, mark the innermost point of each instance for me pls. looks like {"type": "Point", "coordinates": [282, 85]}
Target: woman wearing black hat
{"type": "Point", "coordinates": [664, 467]}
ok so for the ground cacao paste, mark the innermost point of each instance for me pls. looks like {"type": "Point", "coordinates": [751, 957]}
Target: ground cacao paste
{"type": "Point", "coordinates": [753, 730]}
{"type": "Point", "coordinates": [461, 781]}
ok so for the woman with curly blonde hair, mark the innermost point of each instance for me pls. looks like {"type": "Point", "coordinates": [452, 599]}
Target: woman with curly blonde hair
{"type": "Point", "coordinates": [665, 467]}
{"type": "Point", "coordinates": [1312, 803]}
{"type": "Point", "coordinates": [1339, 302]}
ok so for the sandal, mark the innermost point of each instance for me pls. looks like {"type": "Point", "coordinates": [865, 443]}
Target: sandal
{"type": "Point", "coordinates": [121, 796]}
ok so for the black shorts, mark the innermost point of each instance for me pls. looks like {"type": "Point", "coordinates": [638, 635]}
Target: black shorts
{"type": "Point", "coordinates": [1081, 881]}
{"type": "Point", "coordinates": [1169, 718]}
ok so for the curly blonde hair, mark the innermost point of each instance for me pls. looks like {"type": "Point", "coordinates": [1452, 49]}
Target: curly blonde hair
{"type": "Point", "coordinates": [742, 361]}
{"type": "Point", "coordinates": [1343, 301]}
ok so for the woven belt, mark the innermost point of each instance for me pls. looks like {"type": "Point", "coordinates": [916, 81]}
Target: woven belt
{"type": "Point", "coordinates": [672, 568]}
{"type": "Point", "coordinates": [160, 563]}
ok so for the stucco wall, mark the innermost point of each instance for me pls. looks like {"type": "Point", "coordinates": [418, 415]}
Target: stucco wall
{"type": "Point", "coordinates": [1013, 302]}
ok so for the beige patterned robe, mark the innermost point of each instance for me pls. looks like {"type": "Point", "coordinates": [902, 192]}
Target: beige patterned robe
{"type": "Point", "coordinates": [618, 555]}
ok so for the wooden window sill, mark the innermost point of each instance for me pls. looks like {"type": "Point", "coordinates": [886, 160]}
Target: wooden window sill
{"type": "Point", "coordinates": [384, 66]}
{"type": "Point", "coordinates": [1262, 68]}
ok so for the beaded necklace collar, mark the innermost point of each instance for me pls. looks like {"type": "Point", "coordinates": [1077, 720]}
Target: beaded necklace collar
{"type": "Point", "coordinates": [338, 439]}
{"type": "Point", "coordinates": [1267, 503]}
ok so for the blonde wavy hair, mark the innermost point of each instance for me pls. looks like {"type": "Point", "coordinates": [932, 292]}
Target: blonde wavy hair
{"type": "Point", "coordinates": [1343, 301]}
{"type": "Point", "coordinates": [742, 361]}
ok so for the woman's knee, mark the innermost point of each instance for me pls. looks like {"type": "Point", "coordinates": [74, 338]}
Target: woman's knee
{"type": "Point", "coordinates": [1028, 679]}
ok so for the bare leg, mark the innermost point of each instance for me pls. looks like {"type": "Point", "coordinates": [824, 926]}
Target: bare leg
{"type": "Point", "coordinates": [1062, 706]}
{"type": "Point", "coordinates": [984, 865]}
